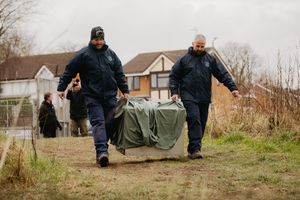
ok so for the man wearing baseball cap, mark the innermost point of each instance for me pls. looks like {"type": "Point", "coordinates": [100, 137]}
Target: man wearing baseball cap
{"type": "Point", "coordinates": [101, 75]}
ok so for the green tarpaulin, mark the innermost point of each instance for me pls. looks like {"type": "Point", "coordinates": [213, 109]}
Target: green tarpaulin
{"type": "Point", "coordinates": [155, 124]}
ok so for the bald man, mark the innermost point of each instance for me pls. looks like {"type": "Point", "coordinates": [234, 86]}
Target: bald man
{"type": "Point", "coordinates": [191, 78]}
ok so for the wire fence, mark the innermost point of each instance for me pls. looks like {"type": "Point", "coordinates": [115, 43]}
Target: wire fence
{"type": "Point", "coordinates": [8, 110]}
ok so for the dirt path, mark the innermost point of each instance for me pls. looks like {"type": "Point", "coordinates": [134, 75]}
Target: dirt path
{"type": "Point", "coordinates": [79, 153]}
{"type": "Point", "coordinates": [167, 177]}
{"type": "Point", "coordinates": [223, 174]}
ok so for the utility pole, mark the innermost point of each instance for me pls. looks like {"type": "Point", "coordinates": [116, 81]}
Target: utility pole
{"type": "Point", "coordinates": [213, 42]}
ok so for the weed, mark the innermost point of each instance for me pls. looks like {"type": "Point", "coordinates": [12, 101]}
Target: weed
{"type": "Point", "coordinates": [16, 169]}
{"type": "Point", "coordinates": [233, 138]}
{"type": "Point", "coordinates": [265, 158]}
{"type": "Point", "coordinates": [49, 170]}
{"type": "Point", "coordinates": [265, 146]}
{"type": "Point", "coordinates": [268, 179]}
{"type": "Point", "coordinates": [2, 136]}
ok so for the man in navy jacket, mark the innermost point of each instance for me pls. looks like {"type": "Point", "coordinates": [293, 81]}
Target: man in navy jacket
{"type": "Point", "coordinates": [101, 75]}
{"type": "Point", "coordinates": [191, 78]}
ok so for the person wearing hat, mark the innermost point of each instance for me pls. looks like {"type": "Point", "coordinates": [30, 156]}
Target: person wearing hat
{"type": "Point", "coordinates": [101, 75]}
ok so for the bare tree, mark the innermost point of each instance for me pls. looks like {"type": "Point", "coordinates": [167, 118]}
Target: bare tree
{"type": "Point", "coordinates": [15, 45]}
{"type": "Point", "coordinates": [241, 60]}
{"type": "Point", "coordinates": [12, 13]}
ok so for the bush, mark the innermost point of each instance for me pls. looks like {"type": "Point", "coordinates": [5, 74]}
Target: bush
{"type": "Point", "coordinates": [254, 123]}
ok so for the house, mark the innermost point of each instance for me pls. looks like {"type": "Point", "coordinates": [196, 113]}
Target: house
{"type": "Point", "coordinates": [29, 78]}
{"type": "Point", "coordinates": [148, 76]}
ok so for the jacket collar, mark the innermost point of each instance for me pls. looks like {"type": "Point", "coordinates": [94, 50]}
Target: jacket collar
{"type": "Point", "coordinates": [193, 53]}
{"type": "Point", "coordinates": [47, 103]}
{"type": "Point", "coordinates": [103, 49]}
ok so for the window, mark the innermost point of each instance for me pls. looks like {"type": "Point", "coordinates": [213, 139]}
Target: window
{"type": "Point", "coordinates": [133, 82]}
{"type": "Point", "coordinates": [153, 80]}
{"type": "Point", "coordinates": [163, 80]}
{"type": "Point", "coordinates": [160, 80]}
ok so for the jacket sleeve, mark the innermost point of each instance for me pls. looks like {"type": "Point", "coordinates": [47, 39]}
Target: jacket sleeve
{"type": "Point", "coordinates": [120, 76]}
{"type": "Point", "coordinates": [175, 77]}
{"type": "Point", "coordinates": [70, 72]}
{"type": "Point", "coordinates": [69, 94]}
{"type": "Point", "coordinates": [58, 125]}
{"type": "Point", "coordinates": [222, 75]}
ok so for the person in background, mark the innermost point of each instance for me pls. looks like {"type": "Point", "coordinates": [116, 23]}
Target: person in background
{"type": "Point", "coordinates": [191, 78]}
{"type": "Point", "coordinates": [101, 75]}
{"type": "Point", "coordinates": [78, 110]}
{"type": "Point", "coordinates": [47, 118]}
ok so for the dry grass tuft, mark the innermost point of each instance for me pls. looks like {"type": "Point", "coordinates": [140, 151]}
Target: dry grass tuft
{"type": "Point", "coordinates": [16, 169]}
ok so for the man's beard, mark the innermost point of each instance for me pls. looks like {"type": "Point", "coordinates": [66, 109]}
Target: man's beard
{"type": "Point", "coordinates": [199, 52]}
{"type": "Point", "coordinates": [99, 46]}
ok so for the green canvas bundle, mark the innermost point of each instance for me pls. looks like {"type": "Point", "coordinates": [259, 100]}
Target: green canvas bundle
{"type": "Point", "coordinates": [155, 124]}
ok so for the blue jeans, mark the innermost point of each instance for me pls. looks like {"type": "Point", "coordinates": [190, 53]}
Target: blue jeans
{"type": "Point", "coordinates": [101, 114]}
{"type": "Point", "coordinates": [197, 114]}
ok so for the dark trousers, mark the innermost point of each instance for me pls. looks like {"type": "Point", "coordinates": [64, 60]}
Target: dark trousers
{"type": "Point", "coordinates": [197, 114]}
{"type": "Point", "coordinates": [49, 131]}
{"type": "Point", "coordinates": [101, 114]}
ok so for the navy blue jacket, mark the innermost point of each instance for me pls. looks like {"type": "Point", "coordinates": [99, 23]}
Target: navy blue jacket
{"type": "Point", "coordinates": [101, 73]}
{"type": "Point", "coordinates": [78, 109]}
{"type": "Point", "coordinates": [191, 77]}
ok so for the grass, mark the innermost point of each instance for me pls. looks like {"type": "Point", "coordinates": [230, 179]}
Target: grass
{"type": "Point", "coordinates": [49, 170]}
{"type": "Point", "coordinates": [24, 178]}
{"type": "Point", "coordinates": [236, 166]}
{"type": "Point", "coordinates": [2, 136]}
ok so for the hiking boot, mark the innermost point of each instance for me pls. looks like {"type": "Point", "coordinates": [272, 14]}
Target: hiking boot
{"type": "Point", "coordinates": [195, 155]}
{"type": "Point", "coordinates": [102, 160]}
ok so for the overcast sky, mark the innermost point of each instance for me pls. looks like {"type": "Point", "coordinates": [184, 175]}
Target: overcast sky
{"type": "Point", "coordinates": [135, 26]}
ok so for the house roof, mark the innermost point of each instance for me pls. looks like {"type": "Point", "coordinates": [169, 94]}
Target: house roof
{"type": "Point", "coordinates": [142, 61]}
{"type": "Point", "coordinates": [26, 67]}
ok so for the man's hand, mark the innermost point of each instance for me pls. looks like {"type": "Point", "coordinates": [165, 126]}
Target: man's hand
{"type": "Point", "coordinates": [235, 93]}
{"type": "Point", "coordinates": [126, 96]}
{"type": "Point", "coordinates": [174, 97]}
{"type": "Point", "coordinates": [61, 94]}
